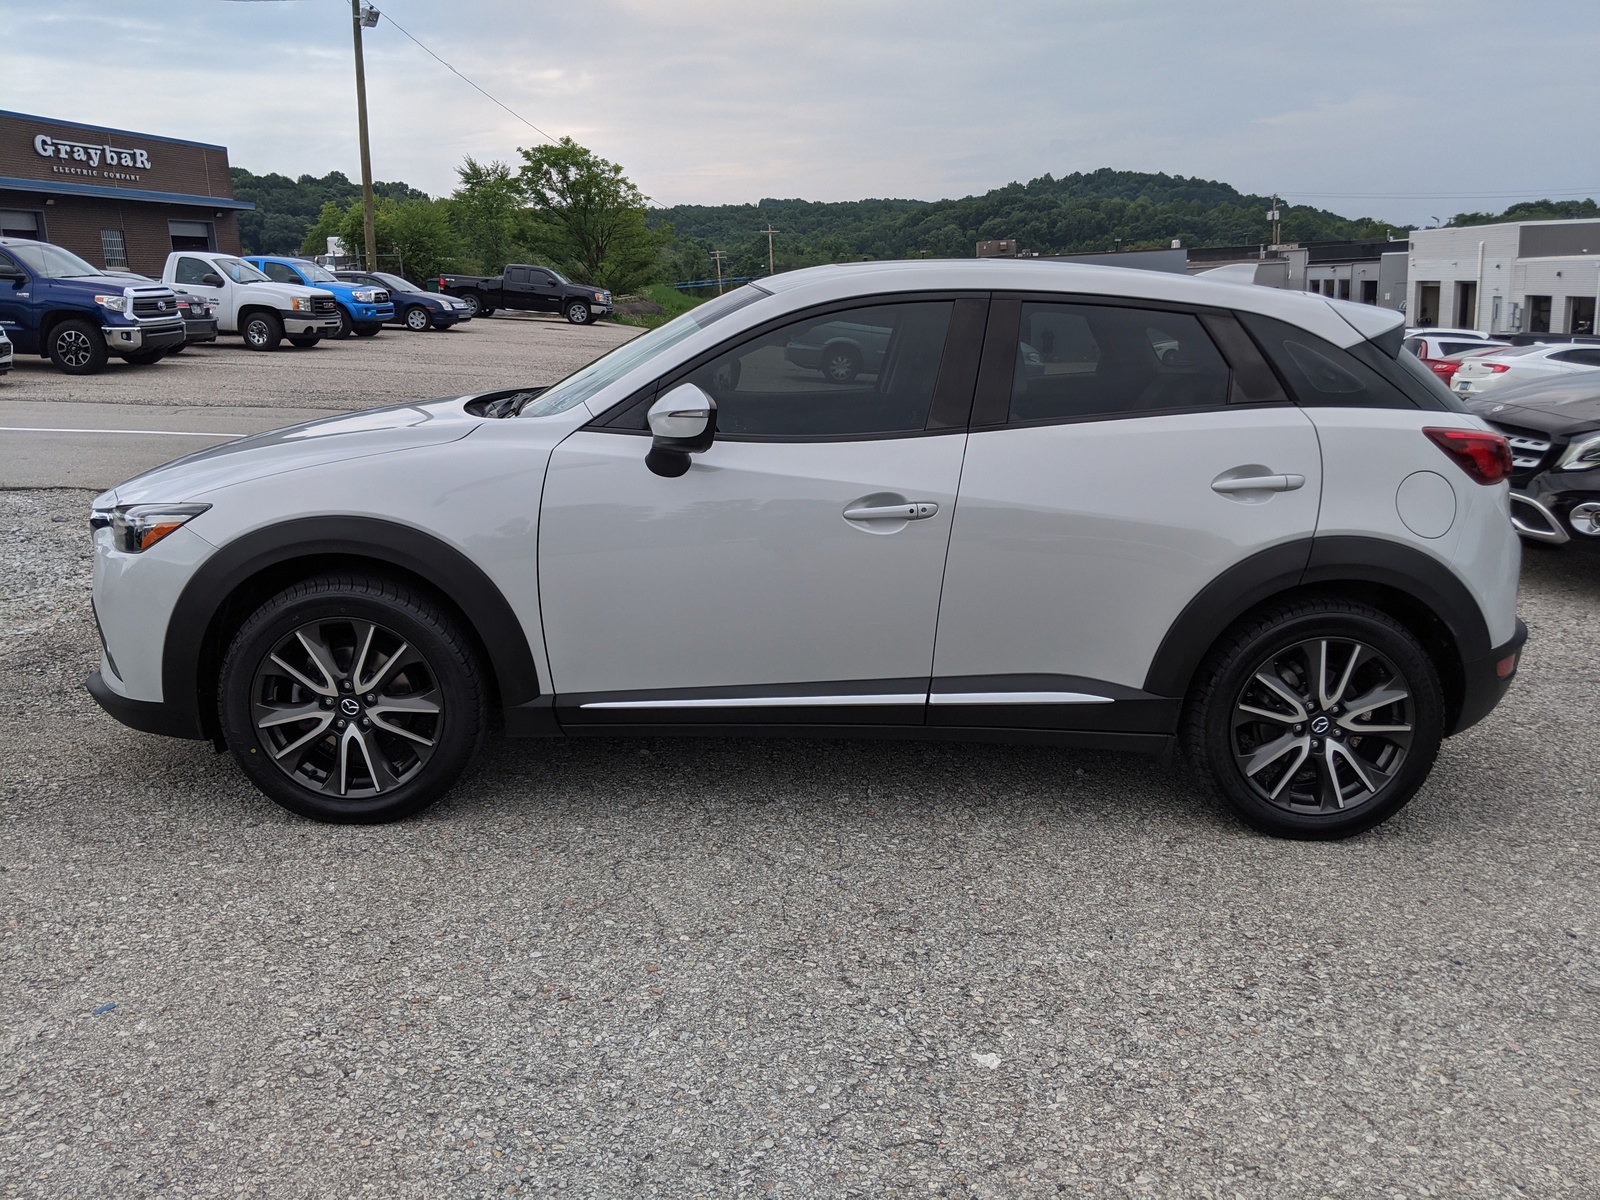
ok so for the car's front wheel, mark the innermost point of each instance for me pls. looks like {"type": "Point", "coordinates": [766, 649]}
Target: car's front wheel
{"type": "Point", "coordinates": [417, 318]}
{"type": "Point", "coordinates": [77, 348]}
{"type": "Point", "coordinates": [578, 313]}
{"type": "Point", "coordinates": [262, 331]}
{"type": "Point", "coordinates": [1316, 718]}
{"type": "Point", "coordinates": [347, 325]}
{"type": "Point", "coordinates": [352, 699]}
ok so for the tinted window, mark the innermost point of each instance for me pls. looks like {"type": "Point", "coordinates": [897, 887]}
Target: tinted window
{"type": "Point", "coordinates": [860, 372]}
{"type": "Point", "coordinates": [1081, 360]}
{"type": "Point", "coordinates": [1582, 358]}
{"type": "Point", "coordinates": [516, 275]}
{"type": "Point", "coordinates": [192, 270]}
{"type": "Point", "coordinates": [540, 279]}
{"type": "Point", "coordinates": [280, 272]}
{"type": "Point", "coordinates": [1320, 373]}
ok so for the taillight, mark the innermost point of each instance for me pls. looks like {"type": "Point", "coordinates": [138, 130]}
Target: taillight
{"type": "Point", "coordinates": [441, 283]}
{"type": "Point", "coordinates": [1495, 367]}
{"type": "Point", "coordinates": [1484, 456]}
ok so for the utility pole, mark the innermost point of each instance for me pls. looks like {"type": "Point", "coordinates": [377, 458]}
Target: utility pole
{"type": "Point", "coordinates": [716, 256]}
{"type": "Point", "coordinates": [1273, 215]}
{"type": "Point", "coordinates": [769, 231]}
{"type": "Point", "coordinates": [364, 18]}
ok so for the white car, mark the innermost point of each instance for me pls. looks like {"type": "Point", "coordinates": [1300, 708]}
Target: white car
{"type": "Point", "coordinates": [1447, 332]}
{"type": "Point", "coordinates": [246, 301]}
{"type": "Point", "coordinates": [5, 352]}
{"type": "Point", "coordinates": [1522, 364]}
{"type": "Point", "coordinates": [1222, 518]}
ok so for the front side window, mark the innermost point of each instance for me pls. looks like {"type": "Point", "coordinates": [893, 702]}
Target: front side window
{"type": "Point", "coordinates": [857, 373]}
{"type": "Point", "coordinates": [1077, 361]}
{"type": "Point", "coordinates": [240, 271]}
{"type": "Point", "coordinates": [192, 270]}
{"type": "Point", "coordinates": [279, 272]}
{"type": "Point", "coordinates": [316, 273]}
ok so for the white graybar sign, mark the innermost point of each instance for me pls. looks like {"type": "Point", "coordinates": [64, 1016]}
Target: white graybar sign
{"type": "Point", "coordinates": [93, 154]}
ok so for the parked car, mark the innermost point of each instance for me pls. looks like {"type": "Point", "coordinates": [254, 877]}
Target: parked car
{"type": "Point", "coordinates": [1479, 373]}
{"type": "Point", "coordinates": [5, 352]}
{"type": "Point", "coordinates": [1551, 339]}
{"type": "Point", "coordinates": [56, 305]}
{"type": "Point", "coordinates": [364, 308]}
{"type": "Point", "coordinates": [247, 302]}
{"type": "Point", "coordinates": [199, 324]}
{"type": "Point", "coordinates": [1442, 355]}
{"type": "Point", "coordinates": [1553, 427]}
{"type": "Point", "coordinates": [1449, 332]}
{"type": "Point", "coordinates": [1216, 518]}
{"type": "Point", "coordinates": [840, 350]}
{"type": "Point", "coordinates": [414, 308]}
{"type": "Point", "coordinates": [530, 288]}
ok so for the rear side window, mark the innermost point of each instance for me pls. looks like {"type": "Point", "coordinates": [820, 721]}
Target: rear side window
{"type": "Point", "coordinates": [1076, 361]}
{"type": "Point", "coordinates": [1581, 358]}
{"type": "Point", "coordinates": [1319, 373]}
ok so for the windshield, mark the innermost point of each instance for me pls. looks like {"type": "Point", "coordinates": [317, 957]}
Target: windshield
{"type": "Point", "coordinates": [240, 271]}
{"type": "Point", "coordinates": [395, 282]}
{"type": "Point", "coordinates": [51, 261]}
{"type": "Point", "coordinates": [602, 372]}
{"type": "Point", "coordinates": [315, 273]}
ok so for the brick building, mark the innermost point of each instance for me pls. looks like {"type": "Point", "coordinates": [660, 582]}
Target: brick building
{"type": "Point", "coordinates": [124, 201]}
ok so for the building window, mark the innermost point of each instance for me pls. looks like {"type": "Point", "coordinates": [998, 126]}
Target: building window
{"type": "Point", "coordinates": [114, 249]}
{"type": "Point", "coordinates": [1344, 289]}
{"type": "Point", "coordinates": [1369, 291]}
{"type": "Point", "coordinates": [191, 235]}
{"type": "Point", "coordinates": [1538, 314]}
{"type": "Point", "coordinates": [22, 225]}
{"type": "Point", "coordinates": [1580, 314]}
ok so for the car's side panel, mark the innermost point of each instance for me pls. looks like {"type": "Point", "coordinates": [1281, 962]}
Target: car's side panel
{"type": "Point", "coordinates": [1076, 546]}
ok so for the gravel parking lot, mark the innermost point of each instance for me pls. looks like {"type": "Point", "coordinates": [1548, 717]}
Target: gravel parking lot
{"type": "Point", "coordinates": [696, 968]}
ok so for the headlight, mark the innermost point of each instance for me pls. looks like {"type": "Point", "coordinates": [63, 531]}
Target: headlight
{"type": "Point", "coordinates": [599, 296]}
{"type": "Point", "coordinates": [114, 303]}
{"type": "Point", "coordinates": [299, 304]}
{"type": "Point", "coordinates": [137, 527]}
{"type": "Point", "coordinates": [365, 296]}
{"type": "Point", "coordinates": [1581, 456]}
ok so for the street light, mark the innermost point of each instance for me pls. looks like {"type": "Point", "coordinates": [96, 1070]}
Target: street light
{"type": "Point", "coordinates": [364, 17]}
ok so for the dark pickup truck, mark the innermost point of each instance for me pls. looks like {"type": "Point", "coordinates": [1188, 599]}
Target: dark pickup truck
{"type": "Point", "coordinates": [534, 289]}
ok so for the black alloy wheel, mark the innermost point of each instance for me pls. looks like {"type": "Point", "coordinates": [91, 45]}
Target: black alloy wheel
{"type": "Point", "coordinates": [841, 363]}
{"type": "Point", "coordinates": [1316, 719]}
{"type": "Point", "coordinates": [578, 313]}
{"type": "Point", "coordinates": [347, 325]}
{"type": "Point", "coordinates": [262, 331]}
{"type": "Point", "coordinates": [418, 319]}
{"type": "Point", "coordinates": [77, 348]}
{"type": "Point", "coordinates": [352, 699]}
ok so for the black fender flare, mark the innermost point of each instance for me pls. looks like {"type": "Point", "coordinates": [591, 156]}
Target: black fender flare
{"type": "Point", "coordinates": [1305, 562]}
{"type": "Point", "coordinates": [456, 577]}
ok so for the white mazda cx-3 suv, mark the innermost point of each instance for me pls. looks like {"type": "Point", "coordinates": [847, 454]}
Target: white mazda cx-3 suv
{"type": "Point", "coordinates": [1085, 506]}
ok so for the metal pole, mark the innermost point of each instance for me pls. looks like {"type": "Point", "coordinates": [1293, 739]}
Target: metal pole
{"type": "Point", "coordinates": [769, 231]}
{"type": "Point", "coordinates": [369, 227]}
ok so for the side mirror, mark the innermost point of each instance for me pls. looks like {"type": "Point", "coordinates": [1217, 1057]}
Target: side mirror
{"type": "Point", "coordinates": [682, 422]}
{"type": "Point", "coordinates": [212, 279]}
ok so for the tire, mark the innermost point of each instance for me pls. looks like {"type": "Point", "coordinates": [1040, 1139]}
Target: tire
{"type": "Point", "coordinates": [841, 362]}
{"type": "Point", "coordinates": [262, 331]}
{"type": "Point", "coordinates": [368, 330]}
{"type": "Point", "coordinates": [579, 313]}
{"type": "Point", "coordinates": [306, 341]}
{"type": "Point", "coordinates": [474, 303]}
{"type": "Point", "coordinates": [77, 348]}
{"type": "Point", "coordinates": [418, 319]}
{"type": "Point", "coordinates": [412, 729]}
{"type": "Point", "coordinates": [178, 349]}
{"type": "Point", "coordinates": [145, 358]}
{"type": "Point", "coordinates": [482, 312]}
{"type": "Point", "coordinates": [347, 324]}
{"type": "Point", "coordinates": [1256, 704]}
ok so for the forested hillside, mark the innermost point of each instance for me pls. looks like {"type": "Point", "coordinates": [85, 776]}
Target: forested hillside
{"type": "Point", "coordinates": [286, 208]}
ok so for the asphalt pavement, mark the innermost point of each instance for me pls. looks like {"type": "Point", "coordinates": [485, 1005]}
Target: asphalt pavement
{"type": "Point", "coordinates": [790, 968]}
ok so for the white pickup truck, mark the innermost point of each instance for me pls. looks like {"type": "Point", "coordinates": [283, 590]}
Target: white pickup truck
{"type": "Point", "coordinates": [248, 303]}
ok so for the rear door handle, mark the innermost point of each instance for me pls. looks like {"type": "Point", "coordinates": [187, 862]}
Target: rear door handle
{"type": "Point", "coordinates": [1259, 483]}
{"type": "Point", "coordinates": [912, 510]}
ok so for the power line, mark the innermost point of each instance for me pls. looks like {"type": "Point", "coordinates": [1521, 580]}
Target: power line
{"type": "Point", "coordinates": [1543, 193]}
{"type": "Point", "coordinates": [469, 82]}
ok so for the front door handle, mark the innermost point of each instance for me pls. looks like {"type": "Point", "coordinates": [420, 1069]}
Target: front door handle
{"type": "Point", "coordinates": [1259, 483]}
{"type": "Point", "coordinates": [911, 510]}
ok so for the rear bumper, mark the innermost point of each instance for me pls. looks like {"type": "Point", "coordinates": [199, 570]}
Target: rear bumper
{"type": "Point", "coordinates": [147, 716]}
{"type": "Point", "coordinates": [1488, 679]}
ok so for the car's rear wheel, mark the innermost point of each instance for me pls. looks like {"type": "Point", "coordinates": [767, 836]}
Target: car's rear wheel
{"type": "Point", "coordinates": [841, 363]}
{"type": "Point", "coordinates": [1316, 718]}
{"type": "Point", "coordinates": [417, 318]}
{"type": "Point", "coordinates": [77, 348]}
{"type": "Point", "coordinates": [475, 306]}
{"type": "Point", "coordinates": [262, 331]}
{"type": "Point", "coordinates": [352, 699]}
{"type": "Point", "coordinates": [578, 313]}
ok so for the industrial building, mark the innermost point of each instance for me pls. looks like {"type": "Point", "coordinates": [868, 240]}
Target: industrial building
{"type": "Point", "coordinates": [1513, 277]}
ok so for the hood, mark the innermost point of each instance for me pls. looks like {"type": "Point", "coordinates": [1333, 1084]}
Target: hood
{"type": "Point", "coordinates": [314, 443]}
{"type": "Point", "coordinates": [1561, 407]}
{"type": "Point", "coordinates": [106, 283]}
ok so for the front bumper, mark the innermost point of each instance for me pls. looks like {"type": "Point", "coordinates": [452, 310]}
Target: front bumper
{"type": "Point", "coordinates": [130, 339]}
{"type": "Point", "coordinates": [302, 324]}
{"type": "Point", "coordinates": [147, 716]}
{"type": "Point", "coordinates": [1488, 679]}
{"type": "Point", "coordinates": [1541, 510]}
{"type": "Point", "coordinates": [371, 314]}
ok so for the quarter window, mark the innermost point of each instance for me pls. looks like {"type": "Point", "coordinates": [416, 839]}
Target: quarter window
{"type": "Point", "coordinates": [1076, 361]}
{"type": "Point", "coordinates": [1320, 373]}
{"type": "Point", "coordinates": [861, 372]}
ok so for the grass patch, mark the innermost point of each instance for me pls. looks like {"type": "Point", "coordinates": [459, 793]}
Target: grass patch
{"type": "Point", "coordinates": [669, 300]}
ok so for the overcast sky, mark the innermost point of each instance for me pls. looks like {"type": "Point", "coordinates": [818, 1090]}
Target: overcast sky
{"type": "Point", "coordinates": [1399, 109]}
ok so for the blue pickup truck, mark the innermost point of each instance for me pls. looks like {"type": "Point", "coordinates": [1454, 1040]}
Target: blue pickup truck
{"type": "Point", "coordinates": [362, 308]}
{"type": "Point", "coordinates": [56, 305]}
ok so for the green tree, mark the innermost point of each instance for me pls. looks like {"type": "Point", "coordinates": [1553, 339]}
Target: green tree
{"type": "Point", "coordinates": [415, 237]}
{"type": "Point", "coordinates": [588, 216]}
{"type": "Point", "coordinates": [487, 211]}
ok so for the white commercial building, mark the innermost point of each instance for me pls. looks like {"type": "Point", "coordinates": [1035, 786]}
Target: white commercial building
{"type": "Point", "coordinates": [1516, 277]}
